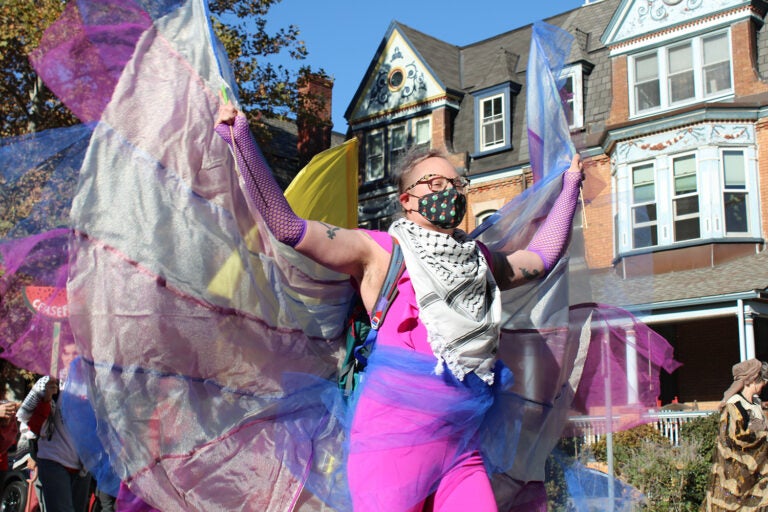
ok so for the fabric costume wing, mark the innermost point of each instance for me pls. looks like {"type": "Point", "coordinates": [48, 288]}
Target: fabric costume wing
{"type": "Point", "coordinates": [567, 353]}
{"type": "Point", "coordinates": [183, 381]}
{"type": "Point", "coordinates": [39, 174]}
{"type": "Point", "coordinates": [199, 398]}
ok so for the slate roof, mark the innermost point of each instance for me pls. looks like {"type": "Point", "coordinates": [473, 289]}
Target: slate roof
{"type": "Point", "coordinates": [504, 58]}
{"type": "Point", "coordinates": [441, 57]}
{"type": "Point", "coordinates": [740, 275]}
{"type": "Point", "coordinates": [281, 151]}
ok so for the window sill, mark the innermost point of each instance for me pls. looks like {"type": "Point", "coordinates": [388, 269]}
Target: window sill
{"type": "Point", "coordinates": [490, 152]}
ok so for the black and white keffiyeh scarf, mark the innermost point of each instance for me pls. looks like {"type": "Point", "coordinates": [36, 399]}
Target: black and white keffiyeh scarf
{"type": "Point", "coordinates": [459, 302]}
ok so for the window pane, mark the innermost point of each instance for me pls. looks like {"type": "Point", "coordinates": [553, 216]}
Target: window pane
{"type": "Point", "coordinates": [644, 193]}
{"type": "Point", "coordinates": [687, 229]}
{"type": "Point", "coordinates": [647, 95]}
{"type": "Point", "coordinates": [681, 87]}
{"type": "Point", "coordinates": [375, 150]}
{"type": "Point", "coordinates": [717, 78]}
{"type": "Point", "coordinates": [645, 237]}
{"type": "Point", "coordinates": [567, 96]}
{"type": "Point", "coordinates": [644, 214]}
{"type": "Point", "coordinates": [733, 169]}
{"type": "Point", "coordinates": [492, 124]}
{"type": "Point", "coordinates": [487, 109]}
{"type": "Point", "coordinates": [716, 49]}
{"type": "Point", "coordinates": [684, 169]}
{"type": "Point", "coordinates": [492, 107]}
{"type": "Point", "coordinates": [398, 137]}
{"type": "Point", "coordinates": [717, 64]}
{"type": "Point", "coordinates": [735, 212]}
{"type": "Point", "coordinates": [686, 206]}
{"type": "Point", "coordinates": [423, 135]}
{"type": "Point", "coordinates": [680, 59]}
{"type": "Point", "coordinates": [646, 68]}
{"type": "Point", "coordinates": [643, 187]}
{"type": "Point", "coordinates": [493, 134]}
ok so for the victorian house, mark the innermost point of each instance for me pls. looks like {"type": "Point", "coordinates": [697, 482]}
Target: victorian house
{"type": "Point", "coordinates": [669, 109]}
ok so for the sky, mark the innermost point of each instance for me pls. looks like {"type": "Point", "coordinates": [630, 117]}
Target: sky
{"type": "Point", "coordinates": [342, 36]}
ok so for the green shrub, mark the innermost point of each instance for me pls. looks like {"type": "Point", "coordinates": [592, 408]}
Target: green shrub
{"type": "Point", "coordinates": [672, 478]}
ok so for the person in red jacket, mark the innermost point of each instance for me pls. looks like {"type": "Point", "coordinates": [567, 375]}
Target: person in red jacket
{"type": "Point", "coordinates": [9, 431]}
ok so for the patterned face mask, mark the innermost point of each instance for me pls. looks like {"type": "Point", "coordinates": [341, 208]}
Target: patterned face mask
{"type": "Point", "coordinates": [444, 209]}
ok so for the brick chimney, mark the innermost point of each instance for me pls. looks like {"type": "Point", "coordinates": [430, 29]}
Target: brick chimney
{"type": "Point", "coordinates": [313, 121]}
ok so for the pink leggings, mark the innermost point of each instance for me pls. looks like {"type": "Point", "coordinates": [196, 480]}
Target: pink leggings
{"type": "Point", "coordinates": [374, 484]}
{"type": "Point", "coordinates": [394, 464]}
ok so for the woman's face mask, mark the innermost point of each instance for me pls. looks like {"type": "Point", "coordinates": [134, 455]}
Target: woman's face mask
{"type": "Point", "coordinates": [444, 209]}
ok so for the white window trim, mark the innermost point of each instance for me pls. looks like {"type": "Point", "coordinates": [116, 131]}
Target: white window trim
{"type": "Point", "coordinates": [749, 190]}
{"type": "Point", "coordinates": [661, 54]}
{"type": "Point", "coordinates": [674, 196]}
{"type": "Point", "coordinates": [368, 167]}
{"type": "Point", "coordinates": [711, 187]}
{"type": "Point", "coordinates": [485, 95]}
{"type": "Point", "coordinates": [387, 153]}
{"type": "Point", "coordinates": [633, 205]}
{"type": "Point", "coordinates": [576, 73]}
{"type": "Point", "coordinates": [414, 130]}
{"type": "Point", "coordinates": [501, 121]}
{"type": "Point", "coordinates": [391, 150]}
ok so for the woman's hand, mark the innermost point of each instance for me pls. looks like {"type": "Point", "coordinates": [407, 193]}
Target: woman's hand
{"type": "Point", "coordinates": [8, 411]}
{"type": "Point", "coordinates": [51, 388]}
{"type": "Point", "coordinates": [227, 112]}
{"type": "Point", "coordinates": [577, 166]}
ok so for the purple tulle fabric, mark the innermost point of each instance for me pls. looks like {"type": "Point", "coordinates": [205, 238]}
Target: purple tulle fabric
{"type": "Point", "coordinates": [209, 351]}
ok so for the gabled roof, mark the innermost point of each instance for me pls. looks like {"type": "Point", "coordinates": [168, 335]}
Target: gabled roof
{"type": "Point", "coordinates": [430, 68]}
{"type": "Point", "coordinates": [441, 57]}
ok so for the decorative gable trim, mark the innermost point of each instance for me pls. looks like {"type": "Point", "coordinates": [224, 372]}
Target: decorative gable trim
{"type": "Point", "coordinates": [641, 24]}
{"type": "Point", "coordinates": [399, 82]}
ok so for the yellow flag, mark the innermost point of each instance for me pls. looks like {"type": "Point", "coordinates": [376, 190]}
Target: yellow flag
{"type": "Point", "coordinates": [324, 190]}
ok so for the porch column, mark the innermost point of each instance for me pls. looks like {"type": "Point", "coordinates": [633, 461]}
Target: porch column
{"type": "Point", "coordinates": [632, 384]}
{"type": "Point", "coordinates": [749, 332]}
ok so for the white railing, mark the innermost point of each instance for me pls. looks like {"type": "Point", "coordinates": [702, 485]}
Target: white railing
{"type": "Point", "coordinates": [593, 428]}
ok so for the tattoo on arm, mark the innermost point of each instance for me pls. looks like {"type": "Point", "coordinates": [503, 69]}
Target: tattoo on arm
{"type": "Point", "coordinates": [530, 275]}
{"type": "Point", "coordinates": [331, 230]}
{"type": "Point", "coordinates": [502, 269]}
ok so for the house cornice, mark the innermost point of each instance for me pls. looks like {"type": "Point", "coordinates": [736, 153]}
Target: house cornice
{"type": "Point", "coordinates": [721, 112]}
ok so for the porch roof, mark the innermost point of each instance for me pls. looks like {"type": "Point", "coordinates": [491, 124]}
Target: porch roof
{"type": "Point", "coordinates": [742, 275]}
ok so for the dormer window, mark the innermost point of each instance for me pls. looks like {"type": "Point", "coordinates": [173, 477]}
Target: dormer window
{"type": "Point", "coordinates": [573, 96]}
{"type": "Point", "coordinates": [682, 73]}
{"type": "Point", "coordinates": [492, 119]}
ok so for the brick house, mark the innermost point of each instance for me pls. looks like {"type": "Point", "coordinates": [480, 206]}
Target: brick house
{"type": "Point", "coordinates": [669, 110]}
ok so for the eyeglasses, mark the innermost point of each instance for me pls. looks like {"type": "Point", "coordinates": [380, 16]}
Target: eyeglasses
{"type": "Point", "coordinates": [438, 183]}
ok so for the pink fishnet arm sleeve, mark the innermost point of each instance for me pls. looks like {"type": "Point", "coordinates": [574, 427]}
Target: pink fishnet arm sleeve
{"type": "Point", "coordinates": [260, 185]}
{"type": "Point", "coordinates": [550, 240]}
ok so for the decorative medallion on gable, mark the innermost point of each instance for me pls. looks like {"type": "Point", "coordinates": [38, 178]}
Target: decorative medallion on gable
{"type": "Point", "coordinates": [398, 81]}
{"type": "Point", "coordinates": [638, 19]}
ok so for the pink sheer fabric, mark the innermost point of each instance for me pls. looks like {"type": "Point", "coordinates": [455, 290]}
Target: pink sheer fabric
{"type": "Point", "coordinates": [209, 350]}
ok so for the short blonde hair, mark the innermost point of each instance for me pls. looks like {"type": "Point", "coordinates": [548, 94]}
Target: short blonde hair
{"type": "Point", "coordinates": [411, 159]}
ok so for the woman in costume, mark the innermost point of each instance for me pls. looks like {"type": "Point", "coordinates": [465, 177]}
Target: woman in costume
{"type": "Point", "coordinates": [738, 476]}
{"type": "Point", "coordinates": [415, 427]}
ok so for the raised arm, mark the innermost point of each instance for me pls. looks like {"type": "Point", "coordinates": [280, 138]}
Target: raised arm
{"type": "Point", "coordinates": [549, 242]}
{"type": "Point", "coordinates": [342, 250]}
